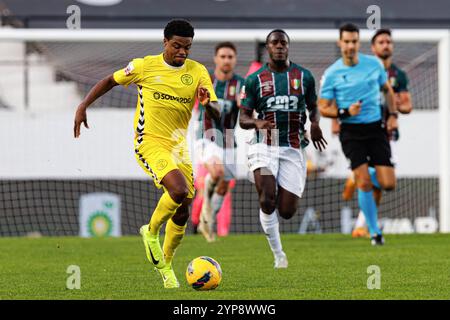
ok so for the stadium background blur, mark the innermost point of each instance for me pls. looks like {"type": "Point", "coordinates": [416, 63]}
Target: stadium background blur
{"type": "Point", "coordinates": [44, 171]}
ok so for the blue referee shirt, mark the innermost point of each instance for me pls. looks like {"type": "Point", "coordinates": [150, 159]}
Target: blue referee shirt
{"type": "Point", "coordinates": [350, 84]}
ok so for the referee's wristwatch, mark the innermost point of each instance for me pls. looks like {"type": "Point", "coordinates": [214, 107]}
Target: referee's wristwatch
{"type": "Point", "coordinates": [394, 114]}
{"type": "Point", "coordinates": [343, 113]}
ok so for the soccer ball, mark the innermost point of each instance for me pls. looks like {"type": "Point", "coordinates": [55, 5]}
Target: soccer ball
{"type": "Point", "coordinates": [203, 273]}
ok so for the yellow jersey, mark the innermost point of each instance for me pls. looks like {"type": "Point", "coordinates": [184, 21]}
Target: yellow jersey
{"type": "Point", "coordinates": [166, 96]}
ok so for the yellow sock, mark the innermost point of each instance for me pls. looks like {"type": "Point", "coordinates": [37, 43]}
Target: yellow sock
{"type": "Point", "coordinates": [165, 209]}
{"type": "Point", "coordinates": [174, 234]}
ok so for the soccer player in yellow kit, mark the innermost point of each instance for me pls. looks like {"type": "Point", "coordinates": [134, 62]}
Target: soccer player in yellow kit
{"type": "Point", "coordinates": [167, 85]}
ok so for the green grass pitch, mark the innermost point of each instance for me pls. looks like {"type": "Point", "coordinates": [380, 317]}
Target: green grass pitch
{"type": "Point", "coordinates": [327, 266]}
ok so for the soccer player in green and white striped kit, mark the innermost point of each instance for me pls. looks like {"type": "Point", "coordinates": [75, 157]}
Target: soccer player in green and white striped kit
{"type": "Point", "coordinates": [219, 146]}
{"type": "Point", "coordinates": [280, 92]}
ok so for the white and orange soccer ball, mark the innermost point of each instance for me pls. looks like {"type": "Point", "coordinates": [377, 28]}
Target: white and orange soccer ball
{"type": "Point", "coordinates": [204, 273]}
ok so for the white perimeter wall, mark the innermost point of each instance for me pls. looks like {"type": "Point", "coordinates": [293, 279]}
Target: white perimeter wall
{"type": "Point", "coordinates": [41, 145]}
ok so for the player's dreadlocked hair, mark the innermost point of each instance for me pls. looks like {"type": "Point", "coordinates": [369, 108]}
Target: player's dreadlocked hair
{"type": "Point", "coordinates": [277, 30]}
{"type": "Point", "coordinates": [181, 28]}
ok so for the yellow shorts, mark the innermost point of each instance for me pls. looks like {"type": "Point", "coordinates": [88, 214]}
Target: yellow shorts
{"type": "Point", "coordinates": [157, 161]}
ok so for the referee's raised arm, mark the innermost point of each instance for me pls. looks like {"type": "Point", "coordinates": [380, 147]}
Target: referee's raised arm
{"type": "Point", "coordinates": [100, 88]}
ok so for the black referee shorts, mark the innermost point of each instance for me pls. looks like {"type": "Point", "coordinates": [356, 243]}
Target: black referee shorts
{"type": "Point", "coordinates": [365, 143]}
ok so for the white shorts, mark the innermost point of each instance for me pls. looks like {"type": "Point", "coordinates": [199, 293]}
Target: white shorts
{"type": "Point", "coordinates": [226, 156]}
{"type": "Point", "coordinates": [286, 164]}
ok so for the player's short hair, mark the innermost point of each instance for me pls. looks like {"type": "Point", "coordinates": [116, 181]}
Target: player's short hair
{"type": "Point", "coordinates": [179, 27]}
{"type": "Point", "coordinates": [379, 33]}
{"type": "Point", "coordinates": [225, 44]}
{"type": "Point", "coordinates": [349, 27]}
{"type": "Point", "coordinates": [277, 30]}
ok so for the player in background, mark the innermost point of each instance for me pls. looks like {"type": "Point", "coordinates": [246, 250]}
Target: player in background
{"type": "Point", "coordinates": [219, 146]}
{"type": "Point", "coordinates": [225, 212]}
{"type": "Point", "coordinates": [167, 86]}
{"type": "Point", "coordinates": [383, 48]}
{"type": "Point", "coordinates": [350, 91]}
{"type": "Point", "coordinates": [256, 64]}
{"type": "Point", "coordinates": [280, 92]}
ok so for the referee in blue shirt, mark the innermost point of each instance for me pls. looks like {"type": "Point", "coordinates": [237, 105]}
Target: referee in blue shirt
{"type": "Point", "coordinates": [350, 91]}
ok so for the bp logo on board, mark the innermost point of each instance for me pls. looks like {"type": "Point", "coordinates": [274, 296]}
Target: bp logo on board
{"type": "Point", "coordinates": [100, 224]}
{"type": "Point", "coordinates": [99, 215]}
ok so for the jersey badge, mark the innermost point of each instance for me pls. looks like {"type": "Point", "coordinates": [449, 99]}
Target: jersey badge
{"type": "Point", "coordinates": [393, 81]}
{"type": "Point", "coordinates": [231, 90]}
{"type": "Point", "coordinates": [129, 69]}
{"type": "Point", "coordinates": [295, 83]}
{"type": "Point", "coordinates": [187, 79]}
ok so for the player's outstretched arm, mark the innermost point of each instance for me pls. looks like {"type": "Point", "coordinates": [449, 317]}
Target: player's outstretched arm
{"type": "Point", "coordinates": [403, 97]}
{"type": "Point", "coordinates": [317, 138]}
{"type": "Point", "coordinates": [212, 107]}
{"type": "Point", "coordinates": [390, 99]}
{"type": "Point", "coordinates": [403, 102]}
{"type": "Point", "coordinates": [246, 121]}
{"type": "Point", "coordinates": [100, 88]}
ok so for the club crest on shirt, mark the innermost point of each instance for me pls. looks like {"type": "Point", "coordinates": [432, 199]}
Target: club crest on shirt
{"type": "Point", "coordinates": [295, 83]}
{"type": "Point", "coordinates": [187, 79]}
{"type": "Point", "coordinates": [393, 81]}
{"type": "Point", "coordinates": [231, 90]}
{"type": "Point", "coordinates": [161, 164]}
{"type": "Point", "coordinates": [129, 69]}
